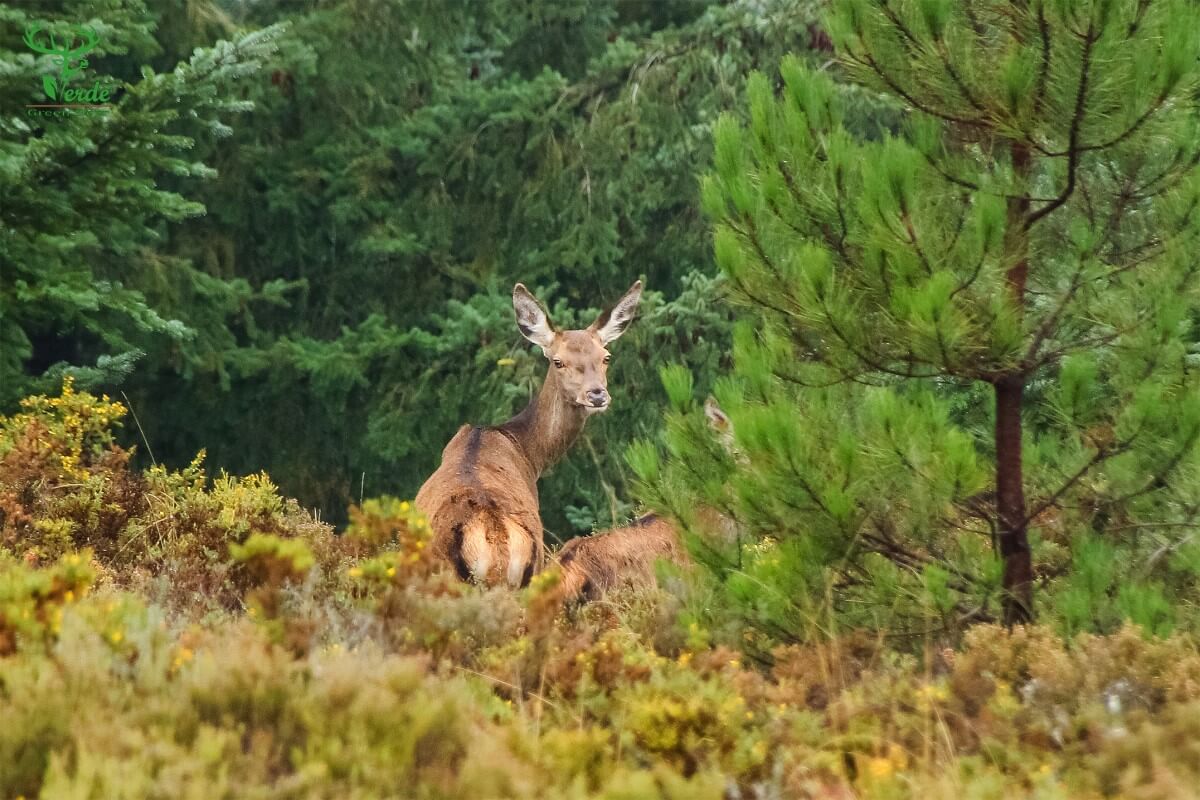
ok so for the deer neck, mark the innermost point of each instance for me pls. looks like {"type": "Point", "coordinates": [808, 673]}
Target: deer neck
{"type": "Point", "coordinates": [548, 426]}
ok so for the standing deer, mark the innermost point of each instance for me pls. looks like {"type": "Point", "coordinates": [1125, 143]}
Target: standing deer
{"type": "Point", "coordinates": [591, 566]}
{"type": "Point", "coordinates": [482, 502]}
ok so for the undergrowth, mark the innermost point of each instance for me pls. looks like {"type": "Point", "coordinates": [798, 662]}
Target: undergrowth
{"type": "Point", "coordinates": [168, 634]}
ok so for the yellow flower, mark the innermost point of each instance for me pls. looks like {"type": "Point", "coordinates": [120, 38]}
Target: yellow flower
{"type": "Point", "coordinates": [404, 506]}
{"type": "Point", "coordinates": [355, 572]}
{"type": "Point", "coordinates": [182, 657]}
{"type": "Point", "coordinates": [391, 572]}
{"type": "Point", "coordinates": [115, 637]}
{"type": "Point", "coordinates": [879, 767]}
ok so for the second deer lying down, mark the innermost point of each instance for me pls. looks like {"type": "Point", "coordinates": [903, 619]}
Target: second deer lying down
{"type": "Point", "coordinates": [591, 566]}
{"type": "Point", "coordinates": [482, 502]}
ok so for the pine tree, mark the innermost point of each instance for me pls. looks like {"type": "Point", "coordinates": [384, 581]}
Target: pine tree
{"type": "Point", "coordinates": [1014, 274]}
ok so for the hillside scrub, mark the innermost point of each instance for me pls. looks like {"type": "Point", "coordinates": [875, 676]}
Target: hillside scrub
{"type": "Point", "coordinates": [167, 634]}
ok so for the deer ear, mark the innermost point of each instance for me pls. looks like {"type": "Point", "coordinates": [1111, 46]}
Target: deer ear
{"type": "Point", "coordinates": [613, 322]}
{"type": "Point", "coordinates": [532, 319]}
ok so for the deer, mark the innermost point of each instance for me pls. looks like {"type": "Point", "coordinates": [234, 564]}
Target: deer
{"type": "Point", "coordinates": [592, 566]}
{"type": "Point", "coordinates": [482, 501]}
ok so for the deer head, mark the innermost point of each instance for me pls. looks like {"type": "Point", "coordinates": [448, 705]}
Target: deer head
{"type": "Point", "coordinates": [578, 359]}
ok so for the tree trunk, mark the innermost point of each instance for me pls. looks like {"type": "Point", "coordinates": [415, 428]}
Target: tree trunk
{"type": "Point", "coordinates": [1010, 391]}
{"type": "Point", "coordinates": [1010, 502]}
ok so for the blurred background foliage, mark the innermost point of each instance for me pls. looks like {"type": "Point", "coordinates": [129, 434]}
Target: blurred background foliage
{"type": "Point", "coordinates": [332, 302]}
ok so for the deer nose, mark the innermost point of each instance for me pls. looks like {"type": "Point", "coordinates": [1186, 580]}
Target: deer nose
{"type": "Point", "coordinates": [597, 397]}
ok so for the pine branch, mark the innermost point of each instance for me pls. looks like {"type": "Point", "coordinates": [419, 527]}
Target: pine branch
{"type": "Point", "coordinates": [867, 60]}
{"type": "Point", "coordinates": [1073, 135]}
{"type": "Point", "coordinates": [1050, 322]}
{"type": "Point", "coordinates": [1044, 70]}
{"type": "Point", "coordinates": [1159, 480]}
{"type": "Point", "coordinates": [1100, 456]}
{"type": "Point", "coordinates": [1116, 140]}
{"type": "Point", "coordinates": [955, 77]}
{"type": "Point", "coordinates": [1184, 172]}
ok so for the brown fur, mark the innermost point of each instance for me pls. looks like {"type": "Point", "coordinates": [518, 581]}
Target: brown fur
{"type": "Point", "coordinates": [594, 565]}
{"type": "Point", "coordinates": [482, 501]}
{"type": "Point", "coordinates": [482, 506]}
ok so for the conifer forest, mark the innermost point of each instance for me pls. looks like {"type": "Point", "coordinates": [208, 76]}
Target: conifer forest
{"type": "Point", "coordinates": [600, 399]}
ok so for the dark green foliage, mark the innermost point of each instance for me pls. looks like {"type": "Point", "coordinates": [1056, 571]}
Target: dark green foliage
{"type": "Point", "coordinates": [339, 307]}
{"type": "Point", "coordinates": [81, 281]}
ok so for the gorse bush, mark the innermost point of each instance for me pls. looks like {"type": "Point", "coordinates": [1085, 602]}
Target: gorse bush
{"type": "Point", "coordinates": [65, 485]}
{"type": "Point", "coordinates": [32, 603]}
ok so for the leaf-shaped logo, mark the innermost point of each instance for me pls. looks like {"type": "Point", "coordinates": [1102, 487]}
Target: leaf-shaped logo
{"type": "Point", "coordinates": [50, 87]}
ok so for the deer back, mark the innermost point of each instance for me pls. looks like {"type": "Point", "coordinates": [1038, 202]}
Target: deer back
{"type": "Point", "coordinates": [594, 565]}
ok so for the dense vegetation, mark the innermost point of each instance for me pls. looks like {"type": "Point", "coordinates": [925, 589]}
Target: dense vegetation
{"type": "Point", "coordinates": [342, 253]}
{"type": "Point", "coordinates": [165, 633]}
{"type": "Point", "coordinates": [936, 262]}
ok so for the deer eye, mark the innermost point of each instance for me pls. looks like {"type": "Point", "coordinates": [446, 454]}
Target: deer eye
{"type": "Point", "coordinates": [558, 362]}
{"type": "Point", "coordinates": [607, 359]}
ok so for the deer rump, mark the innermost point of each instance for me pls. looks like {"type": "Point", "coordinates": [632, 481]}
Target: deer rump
{"type": "Point", "coordinates": [482, 507]}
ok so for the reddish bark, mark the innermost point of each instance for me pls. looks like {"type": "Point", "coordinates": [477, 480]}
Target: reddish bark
{"type": "Point", "coordinates": [1010, 391]}
{"type": "Point", "coordinates": [1010, 502]}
